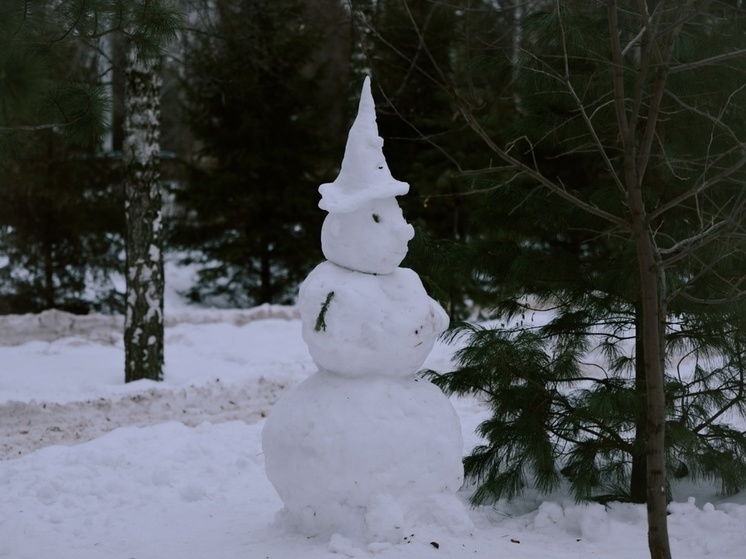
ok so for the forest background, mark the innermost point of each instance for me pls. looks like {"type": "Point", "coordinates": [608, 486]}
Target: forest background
{"type": "Point", "coordinates": [256, 101]}
{"type": "Point", "coordinates": [551, 148]}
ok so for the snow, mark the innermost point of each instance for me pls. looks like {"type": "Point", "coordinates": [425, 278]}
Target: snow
{"type": "Point", "coordinates": [94, 469]}
{"type": "Point", "coordinates": [357, 457]}
{"type": "Point", "coordinates": [372, 324]}
{"type": "Point", "coordinates": [363, 165]}
{"type": "Point", "coordinates": [362, 450]}
{"type": "Point", "coordinates": [372, 238]}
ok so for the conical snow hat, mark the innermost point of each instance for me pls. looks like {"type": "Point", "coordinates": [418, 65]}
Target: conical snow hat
{"type": "Point", "coordinates": [365, 175]}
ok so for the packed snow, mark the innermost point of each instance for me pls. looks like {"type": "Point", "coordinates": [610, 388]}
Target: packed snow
{"type": "Point", "coordinates": [372, 238]}
{"type": "Point", "coordinates": [363, 164]}
{"type": "Point", "coordinates": [372, 325]}
{"type": "Point", "coordinates": [362, 450]}
{"type": "Point", "coordinates": [92, 468]}
{"type": "Point", "coordinates": [366, 457]}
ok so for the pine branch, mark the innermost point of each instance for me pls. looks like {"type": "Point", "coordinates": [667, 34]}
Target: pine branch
{"type": "Point", "coordinates": [706, 185]}
{"type": "Point", "coordinates": [320, 319]}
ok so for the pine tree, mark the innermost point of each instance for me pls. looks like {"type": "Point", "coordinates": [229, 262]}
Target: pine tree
{"type": "Point", "coordinates": [36, 38]}
{"type": "Point", "coordinates": [626, 220]}
{"type": "Point", "coordinates": [61, 229]}
{"type": "Point", "coordinates": [409, 47]}
{"type": "Point", "coordinates": [264, 99]}
{"type": "Point", "coordinates": [59, 220]}
{"type": "Point", "coordinates": [411, 112]}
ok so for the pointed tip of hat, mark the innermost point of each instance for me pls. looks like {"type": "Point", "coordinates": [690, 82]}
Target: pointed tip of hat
{"type": "Point", "coordinates": [365, 122]}
{"type": "Point", "coordinates": [366, 97]}
{"type": "Point", "coordinates": [365, 174]}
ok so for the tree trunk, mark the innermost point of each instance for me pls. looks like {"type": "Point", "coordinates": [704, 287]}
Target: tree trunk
{"type": "Point", "coordinates": [265, 274]}
{"type": "Point", "coordinates": [652, 285]}
{"type": "Point", "coordinates": [638, 478]}
{"type": "Point", "coordinates": [48, 255]}
{"type": "Point", "coordinates": [143, 329]}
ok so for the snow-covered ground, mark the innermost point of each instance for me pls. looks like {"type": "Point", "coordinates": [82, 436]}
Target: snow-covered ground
{"type": "Point", "coordinates": [91, 468]}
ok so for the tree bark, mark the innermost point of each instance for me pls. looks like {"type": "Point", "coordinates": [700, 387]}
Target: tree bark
{"type": "Point", "coordinates": [637, 131]}
{"type": "Point", "coordinates": [143, 329]}
{"type": "Point", "coordinates": [652, 286]}
{"type": "Point", "coordinates": [265, 273]}
{"type": "Point", "coordinates": [638, 477]}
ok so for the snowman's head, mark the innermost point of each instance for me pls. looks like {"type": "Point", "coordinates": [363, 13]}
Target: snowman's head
{"type": "Point", "coordinates": [372, 238]}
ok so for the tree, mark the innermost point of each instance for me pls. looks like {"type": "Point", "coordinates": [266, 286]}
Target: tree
{"type": "Point", "coordinates": [61, 228]}
{"type": "Point", "coordinates": [149, 26]}
{"type": "Point", "coordinates": [264, 97]}
{"type": "Point", "coordinates": [36, 39]}
{"type": "Point", "coordinates": [635, 161]}
{"type": "Point", "coordinates": [416, 117]}
{"type": "Point", "coordinates": [59, 219]}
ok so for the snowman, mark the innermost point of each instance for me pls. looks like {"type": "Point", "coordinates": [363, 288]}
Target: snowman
{"type": "Point", "coordinates": [363, 449]}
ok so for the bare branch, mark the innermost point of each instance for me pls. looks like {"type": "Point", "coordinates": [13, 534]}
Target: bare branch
{"type": "Point", "coordinates": [684, 247]}
{"type": "Point", "coordinates": [659, 88]}
{"type": "Point", "coordinates": [33, 128]}
{"type": "Point", "coordinates": [708, 61]}
{"type": "Point", "coordinates": [716, 121]}
{"type": "Point", "coordinates": [529, 171]}
{"type": "Point", "coordinates": [635, 41]}
{"type": "Point", "coordinates": [737, 292]}
{"type": "Point", "coordinates": [618, 65]}
{"type": "Point", "coordinates": [421, 47]}
{"type": "Point", "coordinates": [706, 184]}
{"type": "Point", "coordinates": [581, 107]}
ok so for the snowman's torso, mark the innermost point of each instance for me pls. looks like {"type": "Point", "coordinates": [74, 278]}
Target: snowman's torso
{"type": "Point", "coordinates": [365, 324]}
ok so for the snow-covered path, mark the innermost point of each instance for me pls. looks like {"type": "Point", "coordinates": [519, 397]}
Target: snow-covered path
{"type": "Point", "coordinates": [29, 426]}
{"type": "Point", "coordinates": [60, 380]}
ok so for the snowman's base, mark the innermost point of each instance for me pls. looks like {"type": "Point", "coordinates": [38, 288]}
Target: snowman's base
{"type": "Point", "coordinates": [365, 457]}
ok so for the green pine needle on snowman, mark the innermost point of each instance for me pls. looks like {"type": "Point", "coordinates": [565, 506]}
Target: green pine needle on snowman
{"type": "Point", "coordinates": [321, 319]}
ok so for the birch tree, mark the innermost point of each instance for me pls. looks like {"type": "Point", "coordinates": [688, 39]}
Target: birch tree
{"type": "Point", "coordinates": [152, 25]}
{"type": "Point", "coordinates": [143, 327]}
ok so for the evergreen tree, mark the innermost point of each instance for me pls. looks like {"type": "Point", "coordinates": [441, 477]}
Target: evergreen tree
{"type": "Point", "coordinates": [36, 39]}
{"type": "Point", "coordinates": [410, 47]}
{"type": "Point", "coordinates": [626, 220]}
{"type": "Point", "coordinates": [59, 220]}
{"type": "Point", "coordinates": [45, 108]}
{"type": "Point", "coordinates": [60, 229]}
{"type": "Point", "coordinates": [261, 104]}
